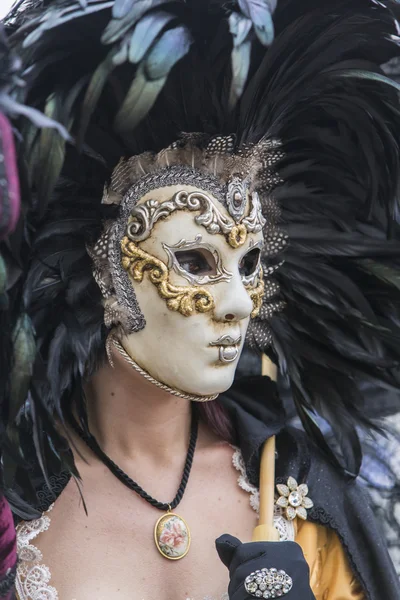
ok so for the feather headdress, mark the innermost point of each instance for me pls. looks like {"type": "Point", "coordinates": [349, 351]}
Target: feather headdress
{"type": "Point", "coordinates": [127, 77]}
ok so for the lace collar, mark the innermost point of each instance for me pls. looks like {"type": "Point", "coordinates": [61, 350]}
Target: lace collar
{"type": "Point", "coordinates": [33, 577]}
{"type": "Point", "coordinates": [285, 528]}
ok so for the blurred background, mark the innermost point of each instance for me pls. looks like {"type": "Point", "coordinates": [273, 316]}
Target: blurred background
{"type": "Point", "coordinates": [5, 6]}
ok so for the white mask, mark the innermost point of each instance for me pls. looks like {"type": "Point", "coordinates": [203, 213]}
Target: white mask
{"type": "Point", "coordinates": [197, 354]}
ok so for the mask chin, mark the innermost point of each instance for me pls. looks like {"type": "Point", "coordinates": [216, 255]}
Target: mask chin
{"type": "Point", "coordinates": [203, 378]}
{"type": "Point", "coordinates": [197, 389]}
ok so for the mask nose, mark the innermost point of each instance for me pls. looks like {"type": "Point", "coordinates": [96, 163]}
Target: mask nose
{"type": "Point", "coordinates": [232, 301]}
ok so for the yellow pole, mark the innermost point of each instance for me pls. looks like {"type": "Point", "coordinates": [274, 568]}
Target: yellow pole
{"type": "Point", "coordinates": [265, 530]}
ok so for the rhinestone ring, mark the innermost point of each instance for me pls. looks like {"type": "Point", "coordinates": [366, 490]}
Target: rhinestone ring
{"type": "Point", "coordinates": [268, 583]}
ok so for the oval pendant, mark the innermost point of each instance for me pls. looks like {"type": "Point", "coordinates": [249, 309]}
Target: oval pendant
{"type": "Point", "coordinates": [172, 536]}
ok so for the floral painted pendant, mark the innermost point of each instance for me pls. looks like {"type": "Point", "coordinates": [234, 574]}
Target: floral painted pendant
{"type": "Point", "coordinates": [172, 536]}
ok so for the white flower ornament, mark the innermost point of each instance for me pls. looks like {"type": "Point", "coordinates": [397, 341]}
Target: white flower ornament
{"type": "Point", "coordinates": [293, 498]}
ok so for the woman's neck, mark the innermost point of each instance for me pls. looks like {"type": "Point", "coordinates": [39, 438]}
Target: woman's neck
{"type": "Point", "coordinates": [131, 417]}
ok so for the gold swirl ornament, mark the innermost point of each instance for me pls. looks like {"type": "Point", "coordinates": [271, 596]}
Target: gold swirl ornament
{"type": "Point", "coordinates": [184, 299]}
{"type": "Point", "coordinates": [237, 236]}
{"type": "Point", "coordinates": [257, 294]}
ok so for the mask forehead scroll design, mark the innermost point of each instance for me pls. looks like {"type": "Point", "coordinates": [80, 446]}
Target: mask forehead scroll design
{"type": "Point", "coordinates": [236, 197]}
{"type": "Point", "coordinates": [145, 216]}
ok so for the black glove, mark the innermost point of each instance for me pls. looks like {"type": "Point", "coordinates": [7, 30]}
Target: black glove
{"type": "Point", "coordinates": [244, 559]}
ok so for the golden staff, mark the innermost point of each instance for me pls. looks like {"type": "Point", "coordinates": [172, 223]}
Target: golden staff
{"type": "Point", "coordinates": [265, 530]}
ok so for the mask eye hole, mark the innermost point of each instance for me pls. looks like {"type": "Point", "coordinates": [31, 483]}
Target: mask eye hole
{"type": "Point", "coordinates": [196, 262]}
{"type": "Point", "coordinates": [249, 263]}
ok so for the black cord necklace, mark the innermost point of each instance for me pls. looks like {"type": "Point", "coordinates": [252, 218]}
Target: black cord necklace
{"type": "Point", "coordinates": [171, 532]}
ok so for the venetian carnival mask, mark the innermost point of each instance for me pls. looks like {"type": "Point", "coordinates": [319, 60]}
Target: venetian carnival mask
{"type": "Point", "coordinates": [182, 269]}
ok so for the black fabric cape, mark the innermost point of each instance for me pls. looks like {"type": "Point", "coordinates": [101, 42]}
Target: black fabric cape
{"type": "Point", "coordinates": [339, 503]}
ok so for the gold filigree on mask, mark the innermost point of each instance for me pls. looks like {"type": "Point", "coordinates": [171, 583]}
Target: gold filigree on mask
{"type": "Point", "coordinates": [257, 295]}
{"type": "Point", "coordinates": [184, 299]}
{"type": "Point", "coordinates": [237, 236]}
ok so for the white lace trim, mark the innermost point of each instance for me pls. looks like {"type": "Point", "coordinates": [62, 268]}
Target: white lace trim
{"type": "Point", "coordinates": [32, 578]}
{"type": "Point", "coordinates": [285, 528]}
